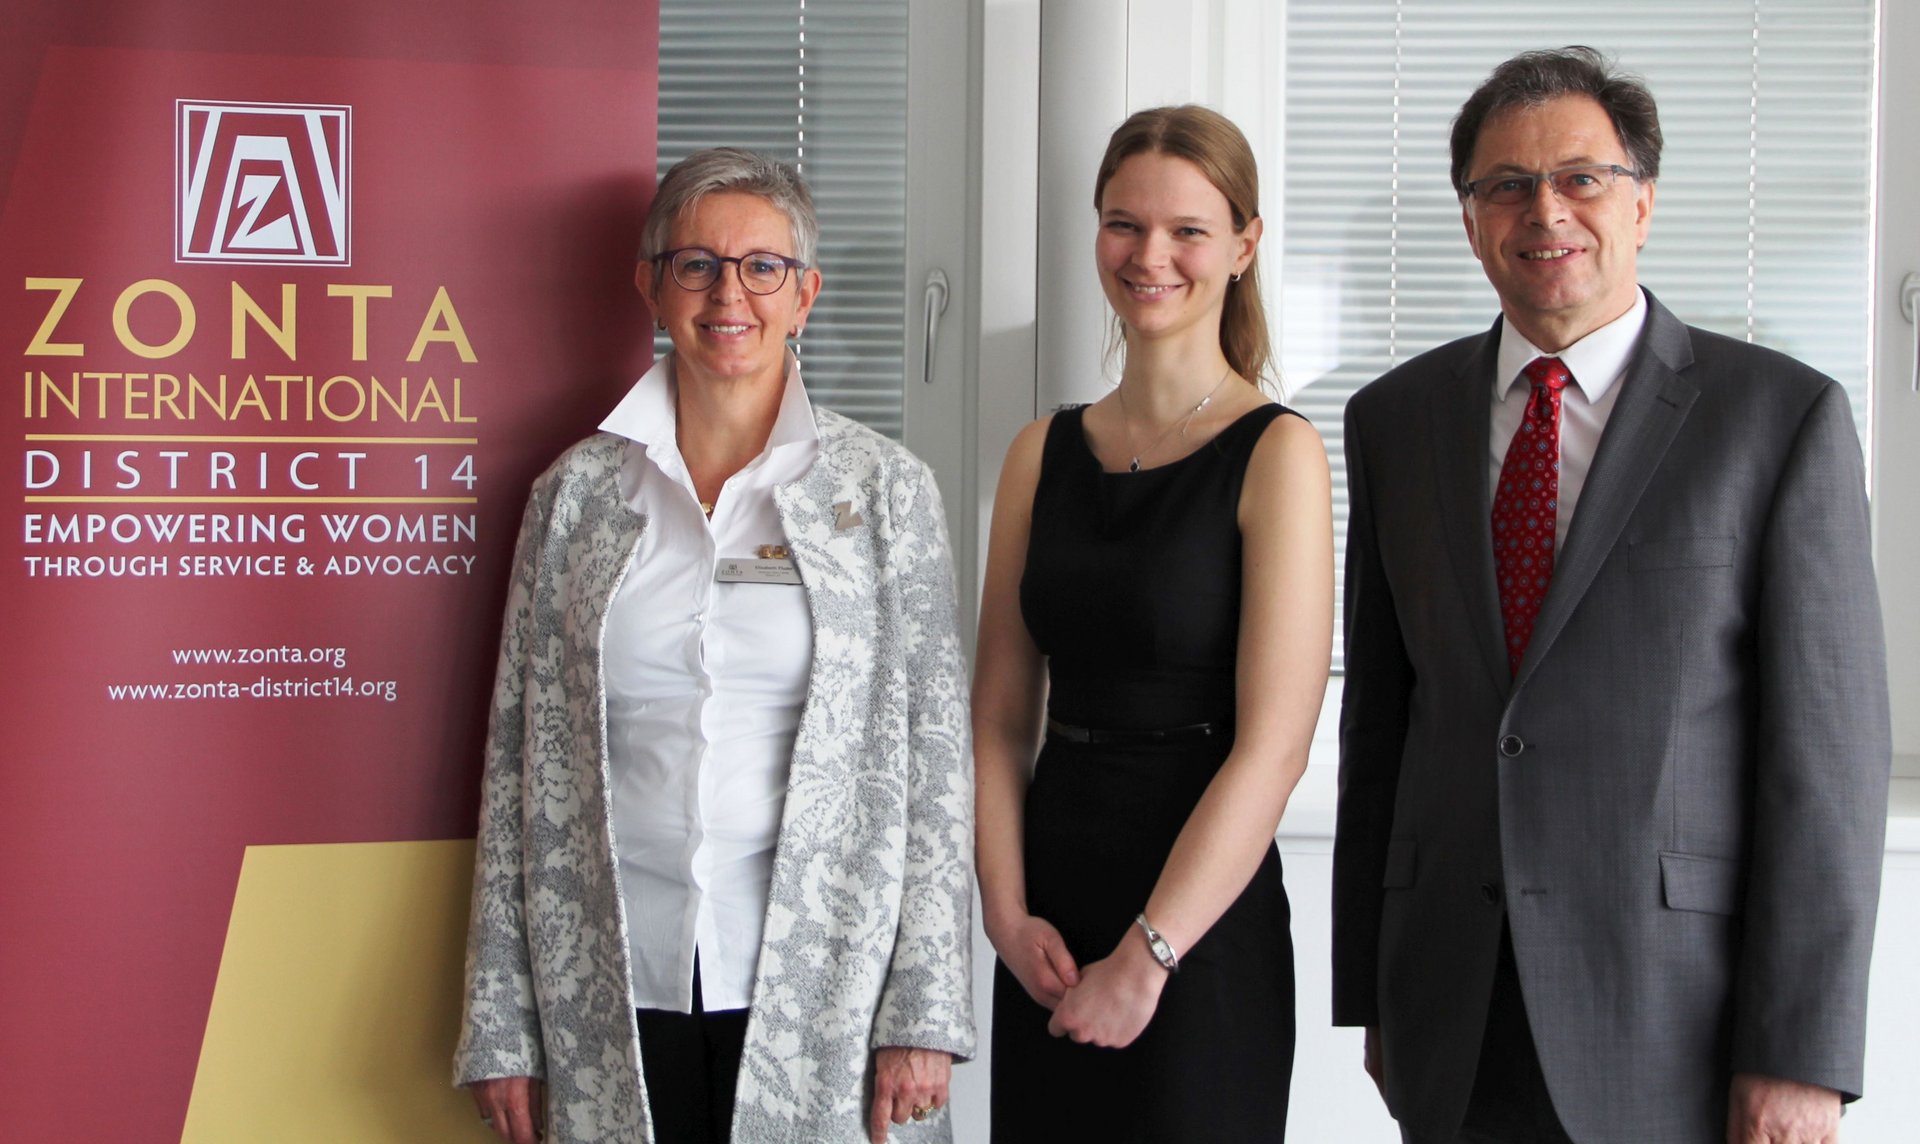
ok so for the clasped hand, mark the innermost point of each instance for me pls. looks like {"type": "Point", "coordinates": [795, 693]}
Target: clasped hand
{"type": "Point", "coordinates": [1108, 1003]}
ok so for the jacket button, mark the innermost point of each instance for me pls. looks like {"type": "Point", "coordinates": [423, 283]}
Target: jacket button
{"type": "Point", "coordinates": [1511, 746]}
{"type": "Point", "coordinates": [1489, 893]}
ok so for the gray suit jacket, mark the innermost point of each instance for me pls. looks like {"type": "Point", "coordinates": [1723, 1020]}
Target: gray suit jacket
{"type": "Point", "coordinates": [1680, 800]}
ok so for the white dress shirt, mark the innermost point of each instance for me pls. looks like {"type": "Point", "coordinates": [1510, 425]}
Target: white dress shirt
{"type": "Point", "coordinates": [705, 682]}
{"type": "Point", "coordinates": [1597, 363]}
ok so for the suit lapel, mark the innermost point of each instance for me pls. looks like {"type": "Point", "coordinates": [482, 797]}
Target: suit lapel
{"type": "Point", "coordinates": [1653, 404]}
{"type": "Point", "coordinates": [1460, 428]}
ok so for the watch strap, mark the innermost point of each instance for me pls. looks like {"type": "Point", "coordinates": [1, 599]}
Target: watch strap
{"type": "Point", "coordinates": [1161, 949]}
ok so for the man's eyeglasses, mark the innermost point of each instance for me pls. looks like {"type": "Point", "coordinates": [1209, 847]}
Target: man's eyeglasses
{"type": "Point", "coordinates": [1572, 184]}
{"type": "Point", "coordinates": [697, 268]}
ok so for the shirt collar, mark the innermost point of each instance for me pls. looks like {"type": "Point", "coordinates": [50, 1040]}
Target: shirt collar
{"type": "Point", "coordinates": [1596, 361]}
{"type": "Point", "coordinates": [646, 414]}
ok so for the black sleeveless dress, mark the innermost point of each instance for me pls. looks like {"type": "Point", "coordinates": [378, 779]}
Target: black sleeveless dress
{"type": "Point", "coordinates": [1132, 591]}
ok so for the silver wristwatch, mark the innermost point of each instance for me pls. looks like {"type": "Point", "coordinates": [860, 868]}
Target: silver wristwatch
{"type": "Point", "coordinates": [1162, 951]}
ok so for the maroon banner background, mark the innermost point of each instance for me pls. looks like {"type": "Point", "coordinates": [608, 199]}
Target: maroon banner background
{"type": "Point", "coordinates": [500, 158]}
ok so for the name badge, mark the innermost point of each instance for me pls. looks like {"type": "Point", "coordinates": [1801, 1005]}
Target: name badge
{"type": "Point", "coordinates": [750, 570]}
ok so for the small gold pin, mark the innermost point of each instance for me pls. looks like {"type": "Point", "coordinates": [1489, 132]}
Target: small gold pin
{"type": "Point", "coordinates": [772, 552]}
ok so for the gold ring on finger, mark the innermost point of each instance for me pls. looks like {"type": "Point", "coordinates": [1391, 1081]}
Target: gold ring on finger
{"type": "Point", "coordinates": [919, 1113]}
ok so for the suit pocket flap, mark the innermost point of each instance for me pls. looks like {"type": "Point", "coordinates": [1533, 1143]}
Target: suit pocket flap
{"type": "Point", "coordinates": [1681, 552]}
{"type": "Point", "coordinates": [1399, 871]}
{"type": "Point", "coordinates": [1700, 883]}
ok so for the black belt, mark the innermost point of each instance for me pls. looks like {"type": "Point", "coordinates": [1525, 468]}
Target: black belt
{"type": "Point", "coordinates": [1191, 733]}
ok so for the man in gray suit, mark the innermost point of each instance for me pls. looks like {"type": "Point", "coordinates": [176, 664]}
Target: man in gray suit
{"type": "Point", "coordinates": [1614, 740]}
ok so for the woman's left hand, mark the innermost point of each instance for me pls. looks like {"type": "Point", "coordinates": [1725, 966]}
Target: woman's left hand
{"type": "Point", "coordinates": [1115, 999]}
{"type": "Point", "coordinates": [908, 1084]}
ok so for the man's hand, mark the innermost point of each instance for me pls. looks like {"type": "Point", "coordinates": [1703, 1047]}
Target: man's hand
{"type": "Point", "coordinates": [1769, 1110]}
{"type": "Point", "coordinates": [1370, 1059]}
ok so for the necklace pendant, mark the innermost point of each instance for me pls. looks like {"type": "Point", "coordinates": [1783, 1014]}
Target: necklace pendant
{"type": "Point", "coordinates": [1134, 467]}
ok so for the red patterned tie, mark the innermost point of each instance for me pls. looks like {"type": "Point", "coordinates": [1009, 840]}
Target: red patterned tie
{"type": "Point", "coordinates": [1525, 505]}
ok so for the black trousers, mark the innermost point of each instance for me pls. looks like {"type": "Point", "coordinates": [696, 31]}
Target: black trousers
{"type": "Point", "coordinates": [691, 1062]}
{"type": "Point", "coordinates": [1510, 1103]}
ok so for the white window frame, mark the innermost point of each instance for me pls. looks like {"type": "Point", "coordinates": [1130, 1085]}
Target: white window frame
{"type": "Point", "coordinates": [1896, 404]}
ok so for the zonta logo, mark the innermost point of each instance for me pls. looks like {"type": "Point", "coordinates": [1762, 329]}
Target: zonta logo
{"type": "Point", "coordinates": [262, 183]}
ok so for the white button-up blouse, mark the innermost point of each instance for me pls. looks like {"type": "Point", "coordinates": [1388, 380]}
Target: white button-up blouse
{"type": "Point", "coordinates": [704, 682]}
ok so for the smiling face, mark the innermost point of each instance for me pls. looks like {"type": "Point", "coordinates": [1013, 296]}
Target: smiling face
{"type": "Point", "coordinates": [1167, 247]}
{"type": "Point", "coordinates": [724, 332]}
{"type": "Point", "coordinates": [1562, 269]}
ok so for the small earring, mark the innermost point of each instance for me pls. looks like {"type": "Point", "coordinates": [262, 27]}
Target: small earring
{"type": "Point", "coordinates": [794, 332]}
{"type": "Point", "coordinates": [1233, 278]}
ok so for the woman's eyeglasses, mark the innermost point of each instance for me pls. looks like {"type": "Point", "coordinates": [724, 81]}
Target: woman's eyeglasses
{"type": "Point", "coordinates": [697, 268]}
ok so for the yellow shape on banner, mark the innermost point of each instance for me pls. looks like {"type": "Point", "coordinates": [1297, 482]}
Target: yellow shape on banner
{"type": "Point", "coordinates": [338, 1000]}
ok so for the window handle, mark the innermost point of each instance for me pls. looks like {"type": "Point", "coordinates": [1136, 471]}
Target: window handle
{"type": "Point", "coordinates": [937, 291]}
{"type": "Point", "coordinates": [1910, 306]}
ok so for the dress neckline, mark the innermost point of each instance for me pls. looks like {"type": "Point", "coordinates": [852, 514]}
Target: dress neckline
{"type": "Point", "coordinates": [1086, 446]}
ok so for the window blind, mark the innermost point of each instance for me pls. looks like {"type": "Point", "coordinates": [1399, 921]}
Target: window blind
{"type": "Point", "coordinates": [821, 84]}
{"type": "Point", "coordinates": [1761, 223]}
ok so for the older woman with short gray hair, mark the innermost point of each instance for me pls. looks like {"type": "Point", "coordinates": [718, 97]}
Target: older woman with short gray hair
{"type": "Point", "coordinates": [722, 885]}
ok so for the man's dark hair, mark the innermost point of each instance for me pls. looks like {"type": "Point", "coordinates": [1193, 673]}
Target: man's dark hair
{"type": "Point", "coordinates": [1533, 78]}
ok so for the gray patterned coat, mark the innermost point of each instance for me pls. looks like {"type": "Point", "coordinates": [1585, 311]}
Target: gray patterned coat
{"type": "Point", "coordinates": [868, 927]}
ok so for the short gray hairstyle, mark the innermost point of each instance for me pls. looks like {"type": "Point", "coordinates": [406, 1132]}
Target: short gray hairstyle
{"type": "Point", "coordinates": [737, 170]}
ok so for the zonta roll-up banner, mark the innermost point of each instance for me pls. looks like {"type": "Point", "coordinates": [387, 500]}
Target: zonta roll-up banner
{"type": "Point", "coordinates": [298, 300]}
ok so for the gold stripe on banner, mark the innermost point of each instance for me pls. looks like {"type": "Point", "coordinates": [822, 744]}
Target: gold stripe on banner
{"type": "Point", "coordinates": [338, 999]}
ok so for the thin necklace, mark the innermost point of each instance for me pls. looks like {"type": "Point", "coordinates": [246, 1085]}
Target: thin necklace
{"type": "Point", "coordinates": [1180, 423]}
